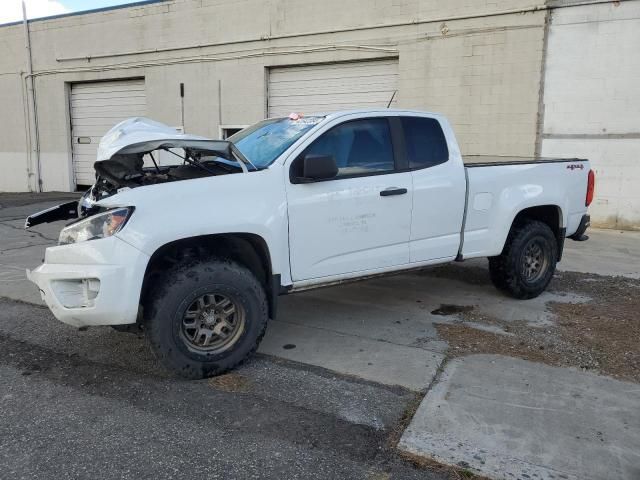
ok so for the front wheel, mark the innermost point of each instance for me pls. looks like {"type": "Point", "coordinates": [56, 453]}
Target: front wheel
{"type": "Point", "coordinates": [206, 318]}
{"type": "Point", "coordinates": [527, 262]}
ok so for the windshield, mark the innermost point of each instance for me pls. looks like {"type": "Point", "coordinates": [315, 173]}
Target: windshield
{"type": "Point", "coordinates": [265, 141]}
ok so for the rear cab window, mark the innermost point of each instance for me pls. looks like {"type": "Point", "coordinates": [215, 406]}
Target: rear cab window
{"type": "Point", "coordinates": [425, 142]}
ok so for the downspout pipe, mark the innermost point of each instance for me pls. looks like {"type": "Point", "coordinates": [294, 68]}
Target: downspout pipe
{"type": "Point", "coordinates": [31, 99]}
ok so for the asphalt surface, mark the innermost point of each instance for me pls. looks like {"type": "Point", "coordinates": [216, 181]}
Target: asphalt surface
{"type": "Point", "coordinates": [94, 404]}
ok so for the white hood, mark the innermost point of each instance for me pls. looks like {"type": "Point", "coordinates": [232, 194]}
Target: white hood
{"type": "Point", "coordinates": [141, 135]}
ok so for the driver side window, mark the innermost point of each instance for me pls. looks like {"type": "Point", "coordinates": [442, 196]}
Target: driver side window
{"type": "Point", "coordinates": [360, 147]}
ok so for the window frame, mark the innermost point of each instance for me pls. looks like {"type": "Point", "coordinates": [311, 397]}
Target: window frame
{"type": "Point", "coordinates": [404, 143]}
{"type": "Point", "coordinates": [400, 159]}
{"type": "Point", "coordinates": [222, 129]}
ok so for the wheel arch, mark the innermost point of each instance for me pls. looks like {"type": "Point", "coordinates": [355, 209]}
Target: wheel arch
{"type": "Point", "coordinates": [248, 249]}
{"type": "Point", "coordinates": [550, 215]}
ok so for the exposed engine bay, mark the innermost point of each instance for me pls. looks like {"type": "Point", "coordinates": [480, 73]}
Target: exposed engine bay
{"type": "Point", "coordinates": [128, 171]}
{"type": "Point", "coordinates": [121, 164]}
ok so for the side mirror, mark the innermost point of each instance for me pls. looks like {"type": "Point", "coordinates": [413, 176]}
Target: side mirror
{"type": "Point", "coordinates": [315, 167]}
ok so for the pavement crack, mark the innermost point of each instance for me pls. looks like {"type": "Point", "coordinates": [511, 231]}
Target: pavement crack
{"type": "Point", "coordinates": [23, 247]}
{"type": "Point", "coordinates": [41, 235]}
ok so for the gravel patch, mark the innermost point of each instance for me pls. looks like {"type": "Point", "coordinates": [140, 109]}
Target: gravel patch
{"type": "Point", "coordinates": [601, 335]}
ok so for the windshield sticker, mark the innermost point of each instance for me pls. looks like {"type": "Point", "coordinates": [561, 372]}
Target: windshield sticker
{"type": "Point", "coordinates": [300, 119]}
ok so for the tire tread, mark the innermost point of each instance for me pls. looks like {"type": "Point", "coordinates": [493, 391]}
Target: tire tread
{"type": "Point", "coordinates": [503, 269]}
{"type": "Point", "coordinates": [186, 272]}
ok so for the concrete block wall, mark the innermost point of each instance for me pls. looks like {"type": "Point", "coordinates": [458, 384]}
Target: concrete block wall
{"type": "Point", "coordinates": [592, 102]}
{"type": "Point", "coordinates": [485, 78]}
{"type": "Point", "coordinates": [478, 62]}
{"type": "Point", "coordinates": [14, 158]}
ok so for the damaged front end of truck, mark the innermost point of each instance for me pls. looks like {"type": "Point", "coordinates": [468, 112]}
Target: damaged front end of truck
{"type": "Point", "coordinates": [129, 157]}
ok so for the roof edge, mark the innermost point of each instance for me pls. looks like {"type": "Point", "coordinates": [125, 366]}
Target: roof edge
{"type": "Point", "coordinates": [85, 12]}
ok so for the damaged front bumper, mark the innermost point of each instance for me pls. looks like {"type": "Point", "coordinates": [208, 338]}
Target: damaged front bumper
{"type": "Point", "coordinates": [92, 283]}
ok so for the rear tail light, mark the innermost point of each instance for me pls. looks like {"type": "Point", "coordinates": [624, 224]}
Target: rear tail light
{"type": "Point", "coordinates": [591, 184]}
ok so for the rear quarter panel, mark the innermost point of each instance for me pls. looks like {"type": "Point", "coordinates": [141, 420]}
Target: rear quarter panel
{"type": "Point", "coordinates": [498, 193]}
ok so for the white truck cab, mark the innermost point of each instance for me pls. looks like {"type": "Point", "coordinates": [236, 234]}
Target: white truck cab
{"type": "Point", "coordinates": [197, 251]}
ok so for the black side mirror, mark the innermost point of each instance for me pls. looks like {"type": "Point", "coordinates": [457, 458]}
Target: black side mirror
{"type": "Point", "coordinates": [315, 167]}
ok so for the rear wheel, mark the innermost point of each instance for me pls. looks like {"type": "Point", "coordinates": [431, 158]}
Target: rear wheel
{"type": "Point", "coordinates": [528, 261]}
{"type": "Point", "coordinates": [206, 318]}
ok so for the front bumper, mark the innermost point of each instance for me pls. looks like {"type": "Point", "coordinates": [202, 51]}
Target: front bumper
{"type": "Point", "coordinates": [92, 283]}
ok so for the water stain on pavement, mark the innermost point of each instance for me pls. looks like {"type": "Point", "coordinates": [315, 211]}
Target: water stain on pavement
{"type": "Point", "coordinates": [447, 309]}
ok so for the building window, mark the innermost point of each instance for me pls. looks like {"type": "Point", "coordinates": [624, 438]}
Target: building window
{"type": "Point", "coordinates": [225, 131]}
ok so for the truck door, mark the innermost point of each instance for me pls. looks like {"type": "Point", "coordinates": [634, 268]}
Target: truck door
{"type": "Point", "coordinates": [439, 190]}
{"type": "Point", "coordinates": [360, 219]}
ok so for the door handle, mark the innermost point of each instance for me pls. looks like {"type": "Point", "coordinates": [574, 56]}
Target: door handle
{"type": "Point", "coordinates": [387, 192]}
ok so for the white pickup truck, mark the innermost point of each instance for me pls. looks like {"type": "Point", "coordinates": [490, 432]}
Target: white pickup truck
{"type": "Point", "coordinates": [197, 252]}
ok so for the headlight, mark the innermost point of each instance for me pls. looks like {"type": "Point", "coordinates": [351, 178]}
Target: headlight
{"type": "Point", "coordinates": [97, 226]}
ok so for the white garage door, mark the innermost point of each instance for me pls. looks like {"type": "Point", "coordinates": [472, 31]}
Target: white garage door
{"type": "Point", "coordinates": [330, 87]}
{"type": "Point", "coordinates": [95, 108]}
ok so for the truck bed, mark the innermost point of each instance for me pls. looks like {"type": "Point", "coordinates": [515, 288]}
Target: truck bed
{"type": "Point", "coordinates": [493, 160]}
{"type": "Point", "coordinates": [509, 185]}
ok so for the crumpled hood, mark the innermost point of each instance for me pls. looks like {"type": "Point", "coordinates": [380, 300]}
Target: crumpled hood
{"type": "Point", "coordinates": [142, 135]}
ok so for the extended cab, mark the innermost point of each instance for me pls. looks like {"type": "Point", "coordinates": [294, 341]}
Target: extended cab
{"type": "Point", "coordinates": [197, 250]}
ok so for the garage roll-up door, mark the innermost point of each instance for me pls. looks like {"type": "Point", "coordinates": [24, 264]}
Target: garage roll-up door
{"type": "Point", "coordinates": [330, 87]}
{"type": "Point", "coordinates": [95, 108]}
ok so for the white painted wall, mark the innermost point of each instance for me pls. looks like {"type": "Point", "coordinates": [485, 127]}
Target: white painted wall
{"type": "Point", "coordinates": [592, 102]}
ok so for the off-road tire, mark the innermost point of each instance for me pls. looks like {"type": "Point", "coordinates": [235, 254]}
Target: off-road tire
{"type": "Point", "coordinates": [508, 271]}
{"type": "Point", "coordinates": [173, 295]}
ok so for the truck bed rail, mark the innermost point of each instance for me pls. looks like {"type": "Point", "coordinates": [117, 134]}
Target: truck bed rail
{"type": "Point", "coordinates": [495, 160]}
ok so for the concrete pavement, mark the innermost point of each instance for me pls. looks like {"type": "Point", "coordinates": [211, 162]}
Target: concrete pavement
{"type": "Point", "coordinates": [383, 329]}
{"type": "Point", "coordinates": [508, 418]}
{"type": "Point", "coordinates": [607, 252]}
